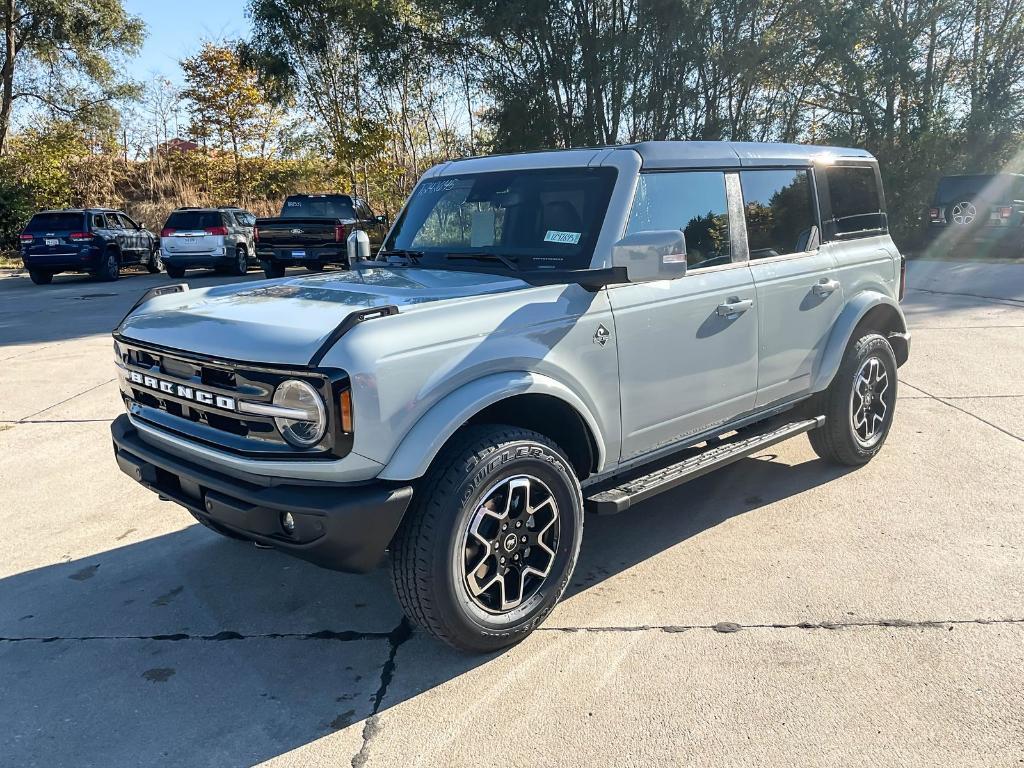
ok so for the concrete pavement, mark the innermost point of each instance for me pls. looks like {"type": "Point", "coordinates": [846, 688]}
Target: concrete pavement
{"type": "Point", "coordinates": [777, 612]}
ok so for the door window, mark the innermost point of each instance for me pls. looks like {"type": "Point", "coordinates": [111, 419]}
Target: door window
{"type": "Point", "coordinates": [114, 222]}
{"type": "Point", "coordinates": [126, 222]}
{"type": "Point", "coordinates": [779, 210]}
{"type": "Point", "coordinates": [692, 201]}
{"type": "Point", "coordinates": [856, 200]}
{"type": "Point", "coordinates": [97, 221]}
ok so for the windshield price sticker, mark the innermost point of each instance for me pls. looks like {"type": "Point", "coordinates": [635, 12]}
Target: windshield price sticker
{"type": "Point", "coordinates": [570, 238]}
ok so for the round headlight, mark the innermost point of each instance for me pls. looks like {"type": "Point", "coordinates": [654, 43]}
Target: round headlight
{"type": "Point", "coordinates": [310, 421]}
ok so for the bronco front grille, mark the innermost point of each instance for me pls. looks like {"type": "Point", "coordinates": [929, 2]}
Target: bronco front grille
{"type": "Point", "coordinates": [198, 398]}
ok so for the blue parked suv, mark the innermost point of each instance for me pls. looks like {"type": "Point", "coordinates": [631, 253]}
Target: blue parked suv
{"type": "Point", "coordinates": [98, 241]}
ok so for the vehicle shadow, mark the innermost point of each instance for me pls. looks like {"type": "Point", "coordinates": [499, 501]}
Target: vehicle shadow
{"type": "Point", "coordinates": [190, 649]}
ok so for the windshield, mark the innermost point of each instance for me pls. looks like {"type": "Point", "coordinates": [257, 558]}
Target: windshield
{"type": "Point", "coordinates": [953, 189]}
{"type": "Point", "coordinates": [540, 219]}
{"type": "Point", "coordinates": [320, 207]}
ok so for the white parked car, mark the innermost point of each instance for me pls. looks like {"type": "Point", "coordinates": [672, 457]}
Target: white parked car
{"type": "Point", "coordinates": [212, 238]}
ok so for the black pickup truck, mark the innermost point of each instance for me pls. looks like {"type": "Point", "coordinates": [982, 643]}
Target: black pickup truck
{"type": "Point", "coordinates": [311, 232]}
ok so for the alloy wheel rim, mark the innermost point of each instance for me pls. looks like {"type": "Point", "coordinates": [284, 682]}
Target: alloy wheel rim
{"type": "Point", "coordinates": [509, 547]}
{"type": "Point", "coordinates": [870, 402]}
{"type": "Point", "coordinates": [243, 263]}
{"type": "Point", "coordinates": [112, 264]}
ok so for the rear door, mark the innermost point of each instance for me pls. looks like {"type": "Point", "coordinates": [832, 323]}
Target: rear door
{"type": "Point", "coordinates": [687, 347]}
{"type": "Point", "coordinates": [133, 237]}
{"type": "Point", "coordinates": [798, 293]}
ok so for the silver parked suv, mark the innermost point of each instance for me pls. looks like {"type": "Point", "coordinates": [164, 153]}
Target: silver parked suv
{"type": "Point", "coordinates": [213, 238]}
{"type": "Point", "coordinates": [541, 334]}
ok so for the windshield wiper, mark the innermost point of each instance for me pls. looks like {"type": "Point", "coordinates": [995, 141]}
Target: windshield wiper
{"type": "Point", "coordinates": [508, 261]}
{"type": "Point", "coordinates": [413, 257]}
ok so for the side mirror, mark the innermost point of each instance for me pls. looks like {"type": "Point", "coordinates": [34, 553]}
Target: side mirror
{"type": "Point", "coordinates": [382, 220]}
{"type": "Point", "coordinates": [358, 246]}
{"type": "Point", "coordinates": [655, 255]}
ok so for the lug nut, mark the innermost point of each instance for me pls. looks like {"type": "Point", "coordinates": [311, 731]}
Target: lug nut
{"type": "Point", "coordinates": [515, 557]}
{"type": "Point", "coordinates": [523, 539]}
{"type": "Point", "coordinates": [503, 561]}
{"type": "Point", "coordinates": [504, 527]}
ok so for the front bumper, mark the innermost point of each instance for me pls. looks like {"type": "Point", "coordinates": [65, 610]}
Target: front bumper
{"type": "Point", "coordinates": [342, 527]}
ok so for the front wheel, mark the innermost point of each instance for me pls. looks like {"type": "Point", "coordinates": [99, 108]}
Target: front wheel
{"type": "Point", "coordinates": [491, 539]}
{"type": "Point", "coordinates": [155, 263]}
{"type": "Point", "coordinates": [241, 263]}
{"type": "Point", "coordinates": [859, 404]}
{"type": "Point", "coordinates": [272, 269]}
{"type": "Point", "coordinates": [110, 267]}
{"type": "Point", "coordinates": [175, 272]}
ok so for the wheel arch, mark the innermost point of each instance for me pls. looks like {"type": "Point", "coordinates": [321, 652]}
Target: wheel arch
{"type": "Point", "coordinates": [527, 400]}
{"type": "Point", "coordinates": [868, 310]}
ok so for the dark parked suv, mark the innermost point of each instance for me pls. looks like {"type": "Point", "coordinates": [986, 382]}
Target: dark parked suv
{"type": "Point", "coordinates": [98, 241]}
{"type": "Point", "coordinates": [981, 209]}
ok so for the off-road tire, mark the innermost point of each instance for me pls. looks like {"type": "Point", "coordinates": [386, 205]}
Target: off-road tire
{"type": "Point", "coordinates": [427, 552]}
{"type": "Point", "coordinates": [174, 271]}
{"type": "Point", "coordinates": [240, 266]}
{"type": "Point", "coordinates": [155, 264]}
{"type": "Point", "coordinates": [272, 269]}
{"type": "Point", "coordinates": [40, 276]}
{"type": "Point", "coordinates": [110, 267]}
{"type": "Point", "coordinates": [835, 441]}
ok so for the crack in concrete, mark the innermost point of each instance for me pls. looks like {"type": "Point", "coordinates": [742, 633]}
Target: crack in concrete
{"type": "Point", "coordinates": [344, 636]}
{"type": "Point", "coordinates": [65, 400]}
{"type": "Point", "coordinates": [955, 407]}
{"type": "Point", "coordinates": [729, 627]}
{"type": "Point", "coordinates": [997, 299]}
{"type": "Point", "coordinates": [371, 727]}
{"type": "Point", "coordinates": [400, 634]}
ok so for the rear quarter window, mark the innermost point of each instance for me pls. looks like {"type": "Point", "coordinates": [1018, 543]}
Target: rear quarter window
{"type": "Point", "coordinates": [856, 200]}
{"type": "Point", "coordinates": [56, 222]}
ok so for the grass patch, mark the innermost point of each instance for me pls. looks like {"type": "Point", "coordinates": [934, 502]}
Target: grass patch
{"type": "Point", "coordinates": [10, 261]}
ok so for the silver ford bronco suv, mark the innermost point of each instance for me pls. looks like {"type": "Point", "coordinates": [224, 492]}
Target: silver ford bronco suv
{"type": "Point", "coordinates": [541, 334]}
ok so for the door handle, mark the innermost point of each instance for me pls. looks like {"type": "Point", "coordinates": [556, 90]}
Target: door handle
{"type": "Point", "coordinates": [734, 307]}
{"type": "Point", "coordinates": [825, 287]}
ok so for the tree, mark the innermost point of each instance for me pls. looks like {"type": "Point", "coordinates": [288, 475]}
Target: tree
{"type": "Point", "coordinates": [61, 55]}
{"type": "Point", "coordinates": [227, 107]}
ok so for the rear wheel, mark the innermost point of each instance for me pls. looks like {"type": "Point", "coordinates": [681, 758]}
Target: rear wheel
{"type": "Point", "coordinates": [40, 276]}
{"type": "Point", "coordinates": [315, 267]}
{"type": "Point", "coordinates": [241, 263]}
{"type": "Point", "coordinates": [491, 539]}
{"type": "Point", "coordinates": [273, 269]}
{"type": "Point", "coordinates": [156, 262]}
{"type": "Point", "coordinates": [110, 267]}
{"type": "Point", "coordinates": [859, 404]}
{"type": "Point", "coordinates": [173, 271]}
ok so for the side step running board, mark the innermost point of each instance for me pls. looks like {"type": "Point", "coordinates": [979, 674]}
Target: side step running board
{"type": "Point", "coordinates": [610, 501]}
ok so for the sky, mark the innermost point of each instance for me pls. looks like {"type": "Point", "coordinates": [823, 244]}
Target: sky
{"type": "Point", "coordinates": [175, 29]}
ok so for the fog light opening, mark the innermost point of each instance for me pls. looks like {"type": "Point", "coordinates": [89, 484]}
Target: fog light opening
{"type": "Point", "coordinates": [288, 523]}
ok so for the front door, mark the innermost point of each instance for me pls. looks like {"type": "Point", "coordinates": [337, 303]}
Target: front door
{"type": "Point", "coordinates": [687, 347]}
{"type": "Point", "coordinates": [799, 295]}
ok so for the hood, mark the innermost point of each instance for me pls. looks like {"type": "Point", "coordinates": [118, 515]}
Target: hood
{"type": "Point", "coordinates": [286, 321]}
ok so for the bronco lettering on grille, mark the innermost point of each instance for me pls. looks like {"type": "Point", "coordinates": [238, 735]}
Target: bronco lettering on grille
{"type": "Point", "coordinates": [183, 391]}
